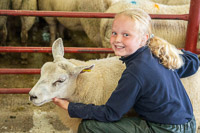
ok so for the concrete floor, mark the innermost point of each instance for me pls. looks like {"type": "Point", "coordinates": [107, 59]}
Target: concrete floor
{"type": "Point", "coordinates": [18, 115]}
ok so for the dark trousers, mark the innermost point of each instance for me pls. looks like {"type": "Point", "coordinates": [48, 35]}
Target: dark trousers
{"type": "Point", "coordinates": [134, 125]}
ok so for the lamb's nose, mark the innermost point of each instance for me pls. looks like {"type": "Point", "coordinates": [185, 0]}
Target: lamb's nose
{"type": "Point", "coordinates": [32, 97]}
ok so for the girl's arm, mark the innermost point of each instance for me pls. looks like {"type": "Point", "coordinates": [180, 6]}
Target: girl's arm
{"type": "Point", "coordinates": [120, 102]}
{"type": "Point", "coordinates": [190, 66]}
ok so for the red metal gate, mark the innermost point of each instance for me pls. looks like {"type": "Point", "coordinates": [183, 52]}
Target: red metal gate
{"type": "Point", "coordinates": [193, 19]}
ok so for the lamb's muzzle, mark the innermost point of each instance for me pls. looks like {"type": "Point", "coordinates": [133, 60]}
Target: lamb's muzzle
{"type": "Point", "coordinates": [31, 97]}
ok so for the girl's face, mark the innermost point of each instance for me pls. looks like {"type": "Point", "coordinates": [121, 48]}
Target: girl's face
{"type": "Point", "coordinates": [126, 38]}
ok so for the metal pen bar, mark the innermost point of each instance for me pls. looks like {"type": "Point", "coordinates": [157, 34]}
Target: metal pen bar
{"type": "Point", "coordinates": [14, 90]}
{"type": "Point", "coordinates": [49, 50]}
{"type": "Point", "coordinates": [81, 14]}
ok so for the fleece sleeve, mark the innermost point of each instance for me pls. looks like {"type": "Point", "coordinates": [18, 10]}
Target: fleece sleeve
{"type": "Point", "coordinates": [120, 102]}
{"type": "Point", "coordinates": [190, 66]}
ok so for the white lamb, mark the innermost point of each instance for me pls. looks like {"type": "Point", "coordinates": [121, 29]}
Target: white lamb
{"type": "Point", "coordinates": [174, 31]}
{"type": "Point", "coordinates": [72, 80]}
{"type": "Point", "coordinates": [79, 85]}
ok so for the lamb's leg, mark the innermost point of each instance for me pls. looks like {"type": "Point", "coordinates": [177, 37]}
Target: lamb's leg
{"type": "Point", "coordinates": [61, 29]}
{"type": "Point", "coordinates": [52, 28]}
{"type": "Point", "coordinates": [4, 34]}
{"type": "Point", "coordinates": [27, 23]}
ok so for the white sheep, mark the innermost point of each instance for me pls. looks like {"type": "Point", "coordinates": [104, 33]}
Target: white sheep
{"type": "Point", "coordinates": [4, 5]}
{"type": "Point", "coordinates": [174, 31]}
{"type": "Point", "coordinates": [26, 22]}
{"type": "Point", "coordinates": [91, 26]}
{"type": "Point", "coordinates": [74, 80]}
{"type": "Point", "coordinates": [172, 2]}
{"type": "Point", "coordinates": [79, 86]}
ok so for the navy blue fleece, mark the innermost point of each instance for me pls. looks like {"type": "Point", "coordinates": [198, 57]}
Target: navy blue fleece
{"type": "Point", "coordinates": [155, 92]}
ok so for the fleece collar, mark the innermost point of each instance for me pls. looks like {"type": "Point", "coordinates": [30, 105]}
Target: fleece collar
{"type": "Point", "coordinates": [127, 59]}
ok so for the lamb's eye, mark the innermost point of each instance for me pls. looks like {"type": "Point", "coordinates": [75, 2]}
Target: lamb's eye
{"type": "Point", "coordinates": [61, 80]}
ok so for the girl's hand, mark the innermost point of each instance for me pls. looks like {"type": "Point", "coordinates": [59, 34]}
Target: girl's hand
{"type": "Point", "coordinates": [61, 103]}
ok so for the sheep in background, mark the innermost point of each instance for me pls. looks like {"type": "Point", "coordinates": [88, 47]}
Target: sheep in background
{"type": "Point", "coordinates": [172, 2]}
{"type": "Point", "coordinates": [52, 5]}
{"type": "Point", "coordinates": [89, 25]}
{"type": "Point", "coordinates": [4, 5]}
{"type": "Point", "coordinates": [174, 31]}
{"type": "Point", "coordinates": [72, 80]}
{"type": "Point", "coordinates": [99, 33]}
{"type": "Point", "coordinates": [26, 22]}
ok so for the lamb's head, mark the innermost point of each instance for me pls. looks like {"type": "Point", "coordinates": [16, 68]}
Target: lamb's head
{"type": "Point", "coordinates": [58, 78]}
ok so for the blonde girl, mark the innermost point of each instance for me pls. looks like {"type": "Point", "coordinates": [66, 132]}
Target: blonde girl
{"type": "Point", "coordinates": [150, 84]}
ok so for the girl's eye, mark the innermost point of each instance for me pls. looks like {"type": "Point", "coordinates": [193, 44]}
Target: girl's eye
{"type": "Point", "coordinates": [125, 34]}
{"type": "Point", "coordinates": [114, 33]}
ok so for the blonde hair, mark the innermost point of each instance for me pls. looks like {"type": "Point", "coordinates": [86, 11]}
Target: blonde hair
{"type": "Point", "coordinates": [168, 54]}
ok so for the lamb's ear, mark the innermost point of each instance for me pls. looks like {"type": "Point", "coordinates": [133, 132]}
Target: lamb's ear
{"type": "Point", "coordinates": [58, 49]}
{"type": "Point", "coordinates": [82, 69]}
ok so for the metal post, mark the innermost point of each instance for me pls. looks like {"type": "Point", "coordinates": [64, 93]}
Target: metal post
{"type": "Point", "coordinates": [193, 26]}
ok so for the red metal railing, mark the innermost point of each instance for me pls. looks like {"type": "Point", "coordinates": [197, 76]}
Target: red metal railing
{"type": "Point", "coordinates": [49, 50]}
{"type": "Point", "coordinates": [14, 90]}
{"type": "Point", "coordinates": [81, 14]}
{"type": "Point", "coordinates": [19, 71]}
{"type": "Point", "coordinates": [191, 38]}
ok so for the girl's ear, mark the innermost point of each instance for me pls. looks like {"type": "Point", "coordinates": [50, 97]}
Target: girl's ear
{"type": "Point", "coordinates": [144, 39]}
{"type": "Point", "coordinates": [147, 37]}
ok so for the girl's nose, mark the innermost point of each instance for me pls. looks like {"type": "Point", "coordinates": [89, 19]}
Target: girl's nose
{"type": "Point", "coordinates": [118, 38]}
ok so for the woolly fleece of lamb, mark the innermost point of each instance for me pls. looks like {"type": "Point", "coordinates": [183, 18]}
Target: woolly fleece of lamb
{"type": "Point", "coordinates": [102, 80]}
{"type": "Point", "coordinates": [94, 87]}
